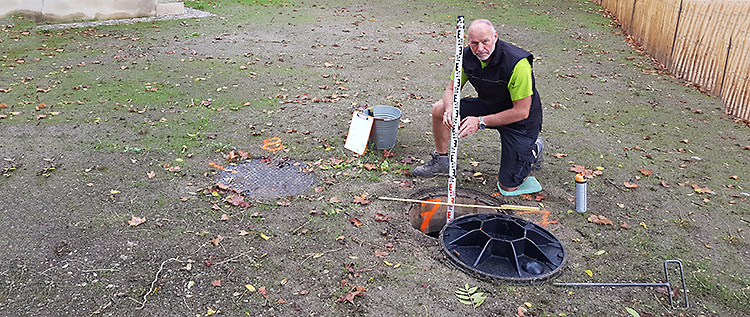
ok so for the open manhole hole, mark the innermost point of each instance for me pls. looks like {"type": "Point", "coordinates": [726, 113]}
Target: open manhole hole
{"type": "Point", "coordinates": [503, 247]}
{"type": "Point", "coordinates": [268, 177]}
{"type": "Point", "coordinates": [430, 218]}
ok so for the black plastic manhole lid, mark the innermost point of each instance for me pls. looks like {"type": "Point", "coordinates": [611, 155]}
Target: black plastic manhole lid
{"type": "Point", "coordinates": [503, 247]}
{"type": "Point", "coordinates": [268, 178]}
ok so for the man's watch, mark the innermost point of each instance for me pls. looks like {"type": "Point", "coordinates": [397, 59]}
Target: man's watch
{"type": "Point", "coordinates": [482, 126]}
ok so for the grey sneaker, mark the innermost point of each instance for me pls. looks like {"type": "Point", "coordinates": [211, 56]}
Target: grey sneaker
{"type": "Point", "coordinates": [437, 166]}
{"type": "Point", "coordinates": [538, 151]}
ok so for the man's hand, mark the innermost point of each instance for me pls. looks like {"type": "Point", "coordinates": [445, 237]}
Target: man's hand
{"type": "Point", "coordinates": [469, 125]}
{"type": "Point", "coordinates": [448, 117]}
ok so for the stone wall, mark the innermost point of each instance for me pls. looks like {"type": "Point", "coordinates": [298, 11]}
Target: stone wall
{"type": "Point", "coordinates": [76, 10]}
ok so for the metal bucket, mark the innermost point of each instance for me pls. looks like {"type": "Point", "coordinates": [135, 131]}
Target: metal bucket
{"type": "Point", "coordinates": [385, 128]}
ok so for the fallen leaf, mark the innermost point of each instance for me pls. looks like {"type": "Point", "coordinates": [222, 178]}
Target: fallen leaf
{"type": "Point", "coordinates": [380, 253]}
{"type": "Point", "coordinates": [151, 174]}
{"type": "Point", "coordinates": [222, 186]}
{"type": "Point", "coordinates": [702, 190]}
{"type": "Point", "coordinates": [630, 185]}
{"type": "Point", "coordinates": [589, 273]}
{"type": "Point", "coordinates": [646, 172]}
{"type": "Point", "coordinates": [224, 217]}
{"type": "Point", "coordinates": [264, 236]}
{"type": "Point", "coordinates": [355, 222]}
{"type": "Point", "coordinates": [632, 312]}
{"type": "Point", "coordinates": [134, 221]}
{"type": "Point", "coordinates": [370, 166]}
{"type": "Point", "coordinates": [600, 220]}
{"type": "Point", "coordinates": [664, 290]}
{"type": "Point", "coordinates": [355, 292]}
{"type": "Point", "coordinates": [262, 291]}
{"type": "Point", "coordinates": [361, 199]}
{"type": "Point", "coordinates": [381, 217]}
{"type": "Point", "coordinates": [539, 197]}
{"type": "Point", "coordinates": [559, 155]}
{"type": "Point", "coordinates": [216, 240]}
{"type": "Point", "coordinates": [250, 288]}
{"type": "Point", "coordinates": [216, 283]}
{"type": "Point", "coordinates": [625, 225]}
{"type": "Point", "coordinates": [520, 312]}
{"type": "Point", "coordinates": [235, 200]}
{"type": "Point", "coordinates": [243, 233]}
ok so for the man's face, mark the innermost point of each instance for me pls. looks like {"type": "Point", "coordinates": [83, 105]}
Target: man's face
{"type": "Point", "coordinates": [482, 41]}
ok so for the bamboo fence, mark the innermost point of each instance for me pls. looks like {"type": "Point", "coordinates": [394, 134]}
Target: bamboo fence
{"type": "Point", "coordinates": [706, 42]}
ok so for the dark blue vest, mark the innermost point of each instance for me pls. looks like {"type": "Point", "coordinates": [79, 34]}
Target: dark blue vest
{"type": "Point", "coordinates": [491, 82]}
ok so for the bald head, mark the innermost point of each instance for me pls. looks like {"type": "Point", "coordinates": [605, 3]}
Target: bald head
{"type": "Point", "coordinates": [482, 38]}
{"type": "Point", "coordinates": [482, 23]}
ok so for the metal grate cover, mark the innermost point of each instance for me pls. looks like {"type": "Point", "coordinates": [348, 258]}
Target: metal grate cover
{"type": "Point", "coordinates": [268, 178]}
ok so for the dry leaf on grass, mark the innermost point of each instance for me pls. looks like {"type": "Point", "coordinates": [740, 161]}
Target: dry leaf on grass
{"type": "Point", "coordinates": [349, 297]}
{"type": "Point", "coordinates": [356, 222]}
{"type": "Point", "coordinates": [216, 240]}
{"type": "Point", "coordinates": [134, 221]}
{"type": "Point", "coordinates": [361, 199]}
{"type": "Point", "coordinates": [382, 217]}
{"type": "Point", "coordinates": [600, 220]}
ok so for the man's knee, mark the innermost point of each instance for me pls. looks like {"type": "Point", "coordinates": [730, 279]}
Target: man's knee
{"type": "Point", "coordinates": [438, 108]}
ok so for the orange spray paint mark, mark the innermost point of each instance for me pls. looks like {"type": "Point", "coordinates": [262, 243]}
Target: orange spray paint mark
{"type": "Point", "coordinates": [221, 167]}
{"type": "Point", "coordinates": [545, 215]}
{"type": "Point", "coordinates": [427, 215]}
{"type": "Point", "coordinates": [273, 144]}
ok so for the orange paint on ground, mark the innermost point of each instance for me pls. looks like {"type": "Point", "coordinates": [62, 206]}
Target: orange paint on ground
{"type": "Point", "coordinates": [427, 215]}
{"type": "Point", "coordinates": [272, 144]}
{"type": "Point", "coordinates": [545, 215]}
{"type": "Point", "coordinates": [221, 167]}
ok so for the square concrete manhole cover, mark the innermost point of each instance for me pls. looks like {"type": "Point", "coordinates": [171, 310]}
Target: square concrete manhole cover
{"type": "Point", "coordinates": [268, 177]}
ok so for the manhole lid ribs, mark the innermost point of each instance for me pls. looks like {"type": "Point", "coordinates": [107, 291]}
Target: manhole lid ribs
{"type": "Point", "coordinates": [268, 178]}
{"type": "Point", "coordinates": [503, 247]}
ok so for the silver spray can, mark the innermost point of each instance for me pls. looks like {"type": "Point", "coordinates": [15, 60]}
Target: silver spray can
{"type": "Point", "coordinates": [581, 192]}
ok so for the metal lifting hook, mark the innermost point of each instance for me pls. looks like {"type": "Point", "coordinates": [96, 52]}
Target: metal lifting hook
{"type": "Point", "coordinates": [665, 284]}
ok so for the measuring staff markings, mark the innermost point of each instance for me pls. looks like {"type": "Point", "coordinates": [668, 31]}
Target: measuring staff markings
{"type": "Point", "coordinates": [456, 119]}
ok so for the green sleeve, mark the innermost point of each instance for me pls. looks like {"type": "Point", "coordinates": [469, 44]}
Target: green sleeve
{"type": "Point", "coordinates": [464, 77]}
{"type": "Point", "coordinates": [520, 81]}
